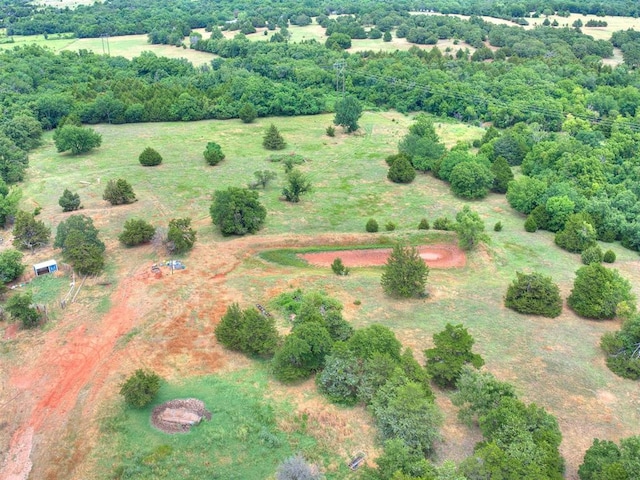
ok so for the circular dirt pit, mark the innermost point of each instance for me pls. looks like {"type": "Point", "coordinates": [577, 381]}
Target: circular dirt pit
{"type": "Point", "coordinates": [435, 256]}
{"type": "Point", "coordinates": [178, 416]}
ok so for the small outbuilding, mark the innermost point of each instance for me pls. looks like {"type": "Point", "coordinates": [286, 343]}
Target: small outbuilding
{"type": "Point", "coordinates": [41, 268]}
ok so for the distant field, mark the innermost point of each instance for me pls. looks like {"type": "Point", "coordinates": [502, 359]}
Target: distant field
{"type": "Point", "coordinates": [599, 33]}
{"type": "Point", "coordinates": [128, 46]}
{"type": "Point", "coordinates": [65, 3]}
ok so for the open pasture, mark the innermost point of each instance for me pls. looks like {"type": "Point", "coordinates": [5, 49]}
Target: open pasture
{"type": "Point", "coordinates": [128, 46]}
{"type": "Point", "coordinates": [599, 33]}
{"type": "Point", "coordinates": [167, 323]}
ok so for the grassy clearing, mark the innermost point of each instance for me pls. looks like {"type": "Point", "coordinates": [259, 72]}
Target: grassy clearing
{"type": "Point", "coordinates": [348, 173]}
{"type": "Point", "coordinates": [48, 289]}
{"type": "Point", "coordinates": [247, 437]}
{"type": "Point", "coordinates": [599, 33]}
{"type": "Point", "coordinates": [128, 46]}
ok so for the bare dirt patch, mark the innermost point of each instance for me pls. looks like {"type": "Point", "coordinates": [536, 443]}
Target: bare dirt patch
{"type": "Point", "coordinates": [435, 256]}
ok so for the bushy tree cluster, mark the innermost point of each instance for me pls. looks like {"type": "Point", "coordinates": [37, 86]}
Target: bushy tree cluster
{"type": "Point", "coordinates": [136, 232]}
{"type": "Point", "coordinates": [470, 229]}
{"type": "Point", "coordinates": [451, 353]}
{"type": "Point", "coordinates": [180, 235]}
{"type": "Point", "coordinates": [623, 349]}
{"type": "Point", "coordinates": [247, 331]}
{"type": "Point", "coordinates": [607, 461]}
{"type": "Point", "coordinates": [119, 192]}
{"type": "Point", "coordinates": [20, 306]}
{"type": "Point", "coordinates": [237, 211]}
{"type": "Point", "coordinates": [76, 139]}
{"type": "Point", "coordinates": [213, 153]}
{"type": "Point", "coordinates": [534, 293]}
{"type": "Point", "coordinates": [29, 232]}
{"type": "Point", "coordinates": [599, 292]}
{"type": "Point", "coordinates": [81, 247]}
{"type": "Point", "coordinates": [11, 266]}
{"type": "Point", "coordinates": [422, 144]}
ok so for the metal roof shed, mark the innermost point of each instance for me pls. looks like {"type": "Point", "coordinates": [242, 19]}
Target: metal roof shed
{"type": "Point", "coordinates": [41, 268]}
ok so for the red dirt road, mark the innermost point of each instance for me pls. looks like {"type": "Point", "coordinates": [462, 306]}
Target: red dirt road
{"type": "Point", "coordinates": [435, 256]}
{"type": "Point", "coordinates": [50, 386]}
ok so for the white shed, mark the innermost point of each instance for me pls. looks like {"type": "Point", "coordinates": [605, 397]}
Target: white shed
{"type": "Point", "coordinates": [49, 266]}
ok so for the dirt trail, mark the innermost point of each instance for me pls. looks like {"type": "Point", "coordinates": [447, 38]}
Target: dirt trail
{"type": "Point", "coordinates": [51, 384]}
{"type": "Point", "coordinates": [435, 256]}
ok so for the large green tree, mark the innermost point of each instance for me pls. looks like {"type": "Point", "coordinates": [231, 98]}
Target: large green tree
{"type": "Point", "coordinates": [405, 273]}
{"type": "Point", "coordinates": [451, 352]}
{"type": "Point", "coordinates": [78, 238]}
{"type": "Point", "coordinates": [348, 112]}
{"type": "Point", "coordinates": [11, 266]}
{"type": "Point", "coordinates": [237, 211]}
{"type": "Point", "coordinates": [13, 160]}
{"type": "Point", "coordinates": [471, 180]}
{"type": "Point", "coordinates": [470, 228]}
{"type": "Point", "coordinates": [29, 232]}
{"type": "Point", "coordinates": [136, 231]}
{"type": "Point", "coordinates": [599, 292]}
{"type": "Point", "coordinates": [76, 139]}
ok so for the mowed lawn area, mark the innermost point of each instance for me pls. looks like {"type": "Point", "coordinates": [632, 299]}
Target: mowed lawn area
{"type": "Point", "coordinates": [555, 362]}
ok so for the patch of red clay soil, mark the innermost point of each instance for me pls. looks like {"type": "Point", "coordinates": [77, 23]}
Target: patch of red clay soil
{"type": "Point", "coordinates": [435, 256]}
{"type": "Point", "coordinates": [51, 384]}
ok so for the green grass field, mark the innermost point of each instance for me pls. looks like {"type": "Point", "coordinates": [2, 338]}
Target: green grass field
{"type": "Point", "coordinates": [248, 436]}
{"type": "Point", "coordinates": [128, 46]}
{"type": "Point", "coordinates": [556, 363]}
{"type": "Point", "coordinates": [599, 33]}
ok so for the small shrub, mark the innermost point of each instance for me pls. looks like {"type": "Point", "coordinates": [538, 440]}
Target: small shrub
{"type": "Point", "coordinates": [372, 226]}
{"type": "Point", "coordinates": [530, 224]}
{"type": "Point", "coordinates": [140, 389]}
{"type": "Point", "coordinates": [401, 170]}
{"type": "Point", "coordinates": [136, 232]}
{"type": "Point", "coordinates": [247, 112]}
{"type": "Point", "coordinates": [331, 131]}
{"type": "Point", "coordinates": [272, 139]}
{"type": "Point", "coordinates": [150, 158]}
{"type": "Point", "coordinates": [119, 192]}
{"type": "Point", "coordinates": [390, 227]}
{"type": "Point", "coordinates": [443, 223]}
{"type": "Point", "coordinates": [338, 267]}
{"type": "Point", "coordinates": [357, 302]}
{"type": "Point", "coordinates": [69, 201]}
{"type": "Point", "coordinates": [424, 224]}
{"type": "Point", "coordinates": [213, 154]}
{"type": "Point", "coordinates": [20, 307]}
{"type": "Point", "coordinates": [592, 255]}
{"type": "Point", "coordinates": [609, 256]}
{"type": "Point", "coordinates": [497, 227]}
